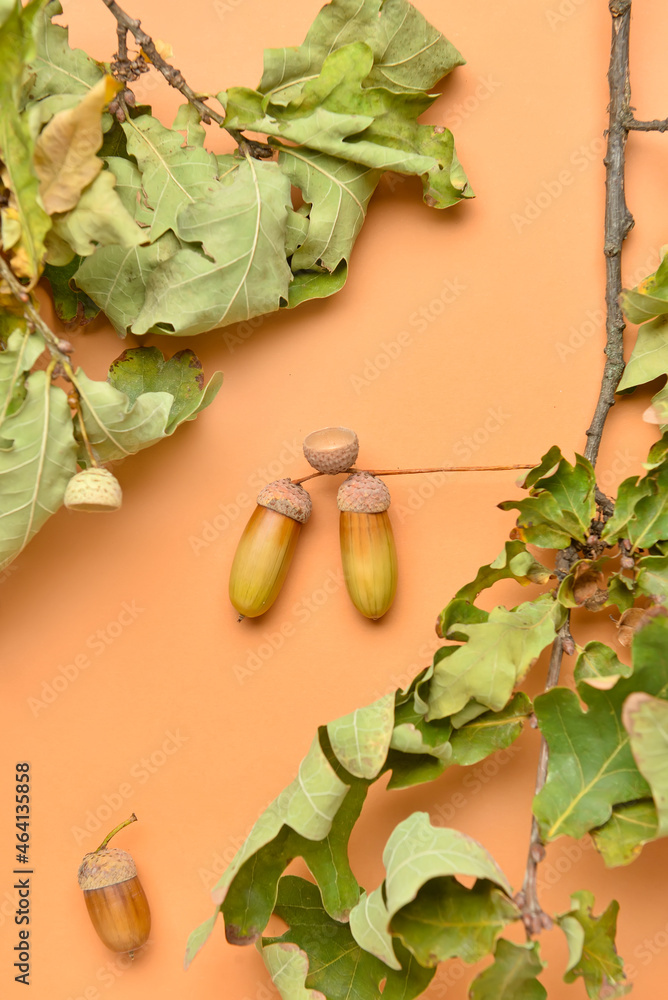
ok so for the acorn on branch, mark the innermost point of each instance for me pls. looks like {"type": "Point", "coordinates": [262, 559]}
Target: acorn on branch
{"type": "Point", "coordinates": [95, 490]}
{"type": "Point", "coordinates": [114, 897]}
{"type": "Point", "coordinates": [266, 547]}
{"type": "Point", "coordinates": [368, 552]}
{"type": "Point", "coordinates": [332, 449]}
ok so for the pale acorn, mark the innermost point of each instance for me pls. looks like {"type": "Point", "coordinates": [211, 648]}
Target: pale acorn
{"type": "Point", "coordinates": [332, 449]}
{"type": "Point", "coordinates": [368, 552]}
{"type": "Point", "coordinates": [95, 490]}
{"type": "Point", "coordinates": [266, 547]}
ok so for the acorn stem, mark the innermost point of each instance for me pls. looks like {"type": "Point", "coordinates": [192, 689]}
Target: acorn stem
{"type": "Point", "coordinates": [126, 822]}
{"type": "Point", "coordinates": [413, 472]}
{"type": "Point", "coordinates": [84, 433]}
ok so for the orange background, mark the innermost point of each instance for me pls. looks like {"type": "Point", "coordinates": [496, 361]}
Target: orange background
{"type": "Point", "coordinates": [518, 339]}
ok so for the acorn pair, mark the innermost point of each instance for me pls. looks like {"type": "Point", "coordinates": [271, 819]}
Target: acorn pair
{"type": "Point", "coordinates": [269, 540]}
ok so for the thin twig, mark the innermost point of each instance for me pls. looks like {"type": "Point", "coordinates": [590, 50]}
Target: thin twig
{"type": "Point", "coordinates": [55, 344]}
{"type": "Point", "coordinates": [174, 77]}
{"type": "Point", "coordinates": [618, 223]}
{"type": "Point", "coordinates": [417, 472]}
{"type": "Point", "coordinates": [656, 125]}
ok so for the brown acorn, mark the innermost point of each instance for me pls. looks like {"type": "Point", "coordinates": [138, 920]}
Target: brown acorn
{"type": "Point", "coordinates": [332, 449]}
{"type": "Point", "coordinates": [368, 552]}
{"type": "Point", "coordinates": [266, 547]}
{"type": "Point", "coordinates": [114, 897]}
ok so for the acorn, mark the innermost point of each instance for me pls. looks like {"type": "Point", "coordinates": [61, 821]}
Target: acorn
{"type": "Point", "coordinates": [368, 552]}
{"type": "Point", "coordinates": [115, 900]}
{"type": "Point", "coordinates": [266, 547]}
{"type": "Point", "coordinates": [331, 449]}
{"type": "Point", "coordinates": [95, 490]}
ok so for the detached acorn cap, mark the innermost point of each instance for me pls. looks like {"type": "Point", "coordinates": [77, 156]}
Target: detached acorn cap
{"type": "Point", "coordinates": [287, 498]}
{"type": "Point", "coordinates": [332, 449]}
{"type": "Point", "coordinates": [363, 493]}
{"type": "Point", "coordinates": [95, 490]}
{"type": "Point", "coordinates": [106, 867]}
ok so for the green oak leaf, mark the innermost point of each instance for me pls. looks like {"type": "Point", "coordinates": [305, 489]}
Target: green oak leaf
{"type": "Point", "coordinates": [658, 411]}
{"type": "Point", "coordinates": [652, 578]}
{"type": "Point", "coordinates": [338, 114]}
{"type": "Point", "coordinates": [621, 591]}
{"type": "Point", "coordinates": [173, 175]}
{"type": "Point", "coordinates": [144, 369]}
{"type": "Point", "coordinates": [360, 741]}
{"type": "Point", "coordinates": [17, 142]}
{"type": "Point", "coordinates": [61, 75]}
{"type": "Point", "coordinates": [446, 920]}
{"type": "Point", "coordinates": [591, 946]}
{"type": "Point", "coordinates": [307, 285]}
{"type": "Point", "coordinates": [242, 229]}
{"type": "Point", "coordinates": [98, 219]}
{"type": "Point", "coordinates": [338, 968]}
{"type": "Point", "coordinates": [189, 120]}
{"type": "Point", "coordinates": [120, 423]}
{"type": "Point", "coordinates": [442, 852]}
{"type": "Point", "coordinates": [561, 506]}
{"type": "Point", "coordinates": [69, 301]}
{"type": "Point", "coordinates": [115, 278]}
{"type": "Point", "coordinates": [198, 938]}
{"type": "Point", "coordinates": [649, 523]}
{"type": "Point", "coordinates": [287, 965]}
{"type": "Point", "coordinates": [490, 731]}
{"type": "Point", "coordinates": [515, 563]}
{"type": "Point", "coordinates": [409, 54]}
{"type": "Point", "coordinates": [129, 189]}
{"type": "Point", "coordinates": [338, 193]}
{"type": "Point", "coordinates": [37, 459]}
{"type": "Point", "coordinates": [513, 976]}
{"type": "Point", "coordinates": [649, 358]}
{"type": "Point", "coordinates": [19, 351]}
{"type": "Point", "coordinates": [312, 818]}
{"type": "Point", "coordinates": [599, 665]}
{"type": "Point", "coordinates": [620, 840]}
{"type": "Point", "coordinates": [646, 721]}
{"type": "Point", "coordinates": [588, 776]}
{"type": "Point", "coordinates": [498, 654]}
{"type": "Point", "coordinates": [629, 493]}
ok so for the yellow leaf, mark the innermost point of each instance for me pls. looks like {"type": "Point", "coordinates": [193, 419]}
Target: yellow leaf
{"type": "Point", "coordinates": [65, 160]}
{"type": "Point", "coordinates": [163, 49]}
{"type": "Point", "coordinates": [11, 227]}
{"type": "Point", "coordinates": [20, 263]}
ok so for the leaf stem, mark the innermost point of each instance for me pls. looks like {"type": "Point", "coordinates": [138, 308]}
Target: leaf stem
{"type": "Point", "coordinates": [174, 77]}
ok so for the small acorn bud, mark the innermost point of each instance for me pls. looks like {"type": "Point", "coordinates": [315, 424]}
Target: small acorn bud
{"type": "Point", "coordinates": [368, 552]}
{"type": "Point", "coordinates": [332, 449]}
{"type": "Point", "coordinates": [95, 490]}
{"type": "Point", "coordinates": [266, 547]}
{"type": "Point", "coordinates": [114, 897]}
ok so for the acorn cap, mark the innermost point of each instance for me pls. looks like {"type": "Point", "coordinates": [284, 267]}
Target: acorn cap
{"type": "Point", "coordinates": [363, 493]}
{"type": "Point", "coordinates": [332, 449]}
{"type": "Point", "coordinates": [287, 498]}
{"type": "Point", "coordinates": [95, 490]}
{"type": "Point", "coordinates": [106, 867]}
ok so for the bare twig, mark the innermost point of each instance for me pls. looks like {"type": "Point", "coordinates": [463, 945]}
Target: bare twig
{"type": "Point", "coordinates": [59, 349]}
{"type": "Point", "coordinates": [416, 472]}
{"type": "Point", "coordinates": [633, 125]}
{"type": "Point", "coordinates": [618, 223]}
{"type": "Point", "coordinates": [174, 77]}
